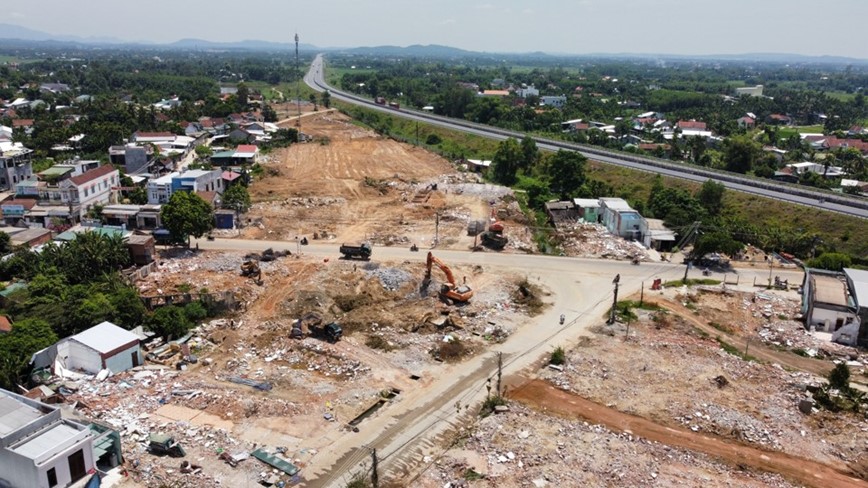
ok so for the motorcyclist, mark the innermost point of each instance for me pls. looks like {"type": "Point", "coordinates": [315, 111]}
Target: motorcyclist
{"type": "Point", "coordinates": [562, 318]}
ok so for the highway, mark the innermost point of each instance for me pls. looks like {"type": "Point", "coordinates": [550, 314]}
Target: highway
{"type": "Point", "coordinates": [837, 203]}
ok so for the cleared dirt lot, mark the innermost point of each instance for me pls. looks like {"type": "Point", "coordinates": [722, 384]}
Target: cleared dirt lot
{"type": "Point", "coordinates": [350, 184]}
{"type": "Point", "coordinates": [670, 396]}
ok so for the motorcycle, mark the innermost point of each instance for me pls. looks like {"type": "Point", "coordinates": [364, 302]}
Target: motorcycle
{"type": "Point", "coordinates": [706, 272]}
{"type": "Point", "coordinates": [562, 319]}
{"type": "Point", "coordinates": [304, 241]}
{"type": "Point", "coordinates": [636, 261]}
{"type": "Point", "coordinates": [414, 247]}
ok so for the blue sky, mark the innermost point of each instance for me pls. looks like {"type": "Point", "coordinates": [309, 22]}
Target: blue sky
{"type": "Point", "coordinates": [827, 27]}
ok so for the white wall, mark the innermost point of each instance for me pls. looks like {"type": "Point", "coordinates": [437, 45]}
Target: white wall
{"type": "Point", "coordinates": [81, 357]}
{"type": "Point", "coordinates": [123, 360]}
{"type": "Point", "coordinates": [819, 316]}
{"type": "Point", "coordinates": [60, 463]}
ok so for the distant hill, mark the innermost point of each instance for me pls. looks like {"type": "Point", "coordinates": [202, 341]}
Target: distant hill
{"type": "Point", "coordinates": [17, 35]}
{"type": "Point", "coordinates": [432, 50]}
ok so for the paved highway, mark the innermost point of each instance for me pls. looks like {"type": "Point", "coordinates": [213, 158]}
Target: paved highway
{"type": "Point", "coordinates": [801, 195]}
{"type": "Point", "coordinates": [419, 421]}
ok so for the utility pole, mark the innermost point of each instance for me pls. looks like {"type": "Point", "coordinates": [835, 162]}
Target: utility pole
{"type": "Point", "coordinates": [375, 476]}
{"type": "Point", "coordinates": [436, 228]}
{"type": "Point", "coordinates": [615, 282]}
{"type": "Point", "coordinates": [686, 269]}
{"type": "Point", "coordinates": [642, 295]}
{"type": "Point", "coordinates": [297, 90]}
{"type": "Point", "coordinates": [499, 372]}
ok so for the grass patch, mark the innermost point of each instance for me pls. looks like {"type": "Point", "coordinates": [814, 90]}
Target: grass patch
{"type": "Point", "coordinates": [723, 328]}
{"type": "Point", "coordinates": [729, 348]}
{"type": "Point", "coordinates": [471, 475]}
{"type": "Point", "coordinates": [529, 295]}
{"type": "Point", "coordinates": [359, 481]}
{"type": "Point", "coordinates": [692, 282]}
{"type": "Point", "coordinates": [490, 403]}
{"type": "Point", "coordinates": [558, 357]}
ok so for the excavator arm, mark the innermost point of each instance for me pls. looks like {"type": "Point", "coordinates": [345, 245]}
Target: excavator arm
{"type": "Point", "coordinates": [448, 272]}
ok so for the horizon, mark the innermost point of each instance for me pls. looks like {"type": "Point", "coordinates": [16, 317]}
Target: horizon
{"type": "Point", "coordinates": [638, 27]}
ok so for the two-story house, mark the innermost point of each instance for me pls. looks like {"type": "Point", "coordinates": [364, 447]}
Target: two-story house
{"type": "Point", "coordinates": [93, 187]}
{"type": "Point", "coordinates": [39, 448]}
{"type": "Point", "coordinates": [15, 164]}
{"type": "Point", "coordinates": [160, 189]}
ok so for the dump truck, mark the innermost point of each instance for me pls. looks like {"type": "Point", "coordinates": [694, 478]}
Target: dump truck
{"type": "Point", "coordinates": [331, 332]}
{"type": "Point", "coordinates": [449, 291]}
{"type": "Point", "coordinates": [161, 444]}
{"type": "Point", "coordinates": [313, 322]}
{"type": "Point", "coordinates": [493, 238]}
{"type": "Point", "coordinates": [361, 251]}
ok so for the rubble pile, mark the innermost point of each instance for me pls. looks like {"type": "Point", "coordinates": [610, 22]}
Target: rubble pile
{"type": "Point", "coordinates": [390, 278]}
{"type": "Point", "coordinates": [525, 448]}
{"type": "Point", "coordinates": [588, 240]}
{"type": "Point", "coordinates": [681, 378]}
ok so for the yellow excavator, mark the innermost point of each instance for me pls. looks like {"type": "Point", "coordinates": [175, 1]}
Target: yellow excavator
{"type": "Point", "coordinates": [450, 291]}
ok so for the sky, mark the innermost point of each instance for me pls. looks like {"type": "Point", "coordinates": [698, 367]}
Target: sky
{"type": "Point", "coordinates": [812, 27]}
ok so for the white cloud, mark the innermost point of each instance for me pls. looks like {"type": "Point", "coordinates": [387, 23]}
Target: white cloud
{"type": "Point", "coordinates": [485, 6]}
{"type": "Point", "coordinates": [528, 11]}
{"type": "Point", "coordinates": [448, 21]}
{"type": "Point", "coordinates": [16, 15]}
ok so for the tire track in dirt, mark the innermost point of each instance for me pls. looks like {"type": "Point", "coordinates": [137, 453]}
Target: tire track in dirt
{"type": "Point", "coordinates": [543, 396]}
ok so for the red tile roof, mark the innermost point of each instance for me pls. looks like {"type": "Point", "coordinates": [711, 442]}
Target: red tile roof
{"type": "Point", "coordinates": [5, 324]}
{"type": "Point", "coordinates": [92, 174]}
{"type": "Point", "coordinates": [22, 122]}
{"type": "Point", "coordinates": [153, 134]}
{"type": "Point", "coordinates": [691, 124]}
{"type": "Point", "coordinates": [230, 175]}
{"type": "Point", "coordinates": [246, 148]}
{"type": "Point", "coordinates": [24, 202]}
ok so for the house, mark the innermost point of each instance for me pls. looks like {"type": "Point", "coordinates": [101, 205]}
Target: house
{"type": "Point", "coordinates": [121, 215]}
{"type": "Point", "coordinates": [779, 119]}
{"type": "Point", "coordinates": [857, 131]}
{"type": "Point", "coordinates": [620, 219]}
{"type": "Point", "coordinates": [561, 212]}
{"type": "Point", "coordinates": [477, 165]}
{"type": "Point", "coordinates": [142, 249]}
{"type": "Point", "coordinates": [40, 448]}
{"type": "Point", "coordinates": [494, 93]}
{"type": "Point", "coordinates": [527, 91]}
{"type": "Point", "coordinates": [15, 209]}
{"type": "Point", "coordinates": [93, 187]}
{"type": "Point", "coordinates": [818, 168]}
{"type": "Point", "coordinates": [5, 324]}
{"type": "Point", "coordinates": [778, 154]}
{"type": "Point", "coordinates": [230, 178]}
{"type": "Point", "coordinates": [152, 137]}
{"type": "Point", "coordinates": [659, 237]}
{"type": "Point", "coordinates": [198, 180]}
{"type": "Point", "coordinates": [103, 346]}
{"type": "Point", "coordinates": [5, 133]}
{"type": "Point", "coordinates": [855, 185]}
{"type": "Point", "coordinates": [691, 125]}
{"type": "Point", "coordinates": [653, 147]}
{"type": "Point", "coordinates": [746, 122]}
{"type": "Point", "coordinates": [31, 237]}
{"type": "Point", "coordinates": [827, 304]}
{"type": "Point", "coordinates": [134, 158]}
{"type": "Point", "coordinates": [556, 101]}
{"type": "Point", "coordinates": [160, 189]}
{"type": "Point", "coordinates": [241, 135]}
{"type": "Point", "coordinates": [54, 87]}
{"type": "Point", "coordinates": [587, 209]}
{"type": "Point", "coordinates": [857, 284]}
{"type": "Point", "coordinates": [15, 164]}
{"type": "Point", "coordinates": [575, 125]}
{"type": "Point", "coordinates": [751, 91]}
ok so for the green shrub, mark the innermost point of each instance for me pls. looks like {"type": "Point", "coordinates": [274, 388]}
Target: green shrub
{"type": "Point", "coordinates": [558, 356]}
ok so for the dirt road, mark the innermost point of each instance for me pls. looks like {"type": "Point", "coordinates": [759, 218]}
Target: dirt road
{"type": "Point", "coordinates": [543, 396]}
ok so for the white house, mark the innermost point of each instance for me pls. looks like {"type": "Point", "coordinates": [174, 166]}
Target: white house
{"type": "Point", "coordinates": [827, 302]}
{"type": "Point", "coordinates": [39, 448]}
{"type": "Point", "coordinates": [818, 168]}
{"type": "Point", "coordinates": [752, 91]}
{"type": "Point", "coordinates": [620, 219]}
{"type": "Point", "coordinates": [527, 91]}
{"type": "Point", "coordinates": [160, 189]}
{"type": "Point", "coordinates": [93, 187]}
{"type": "Point", "coordinates": [103, 346]}
{"type": "Point", "coordinates": [557, 101]}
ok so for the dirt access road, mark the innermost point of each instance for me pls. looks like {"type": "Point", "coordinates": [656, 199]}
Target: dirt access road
{"type": "Point", "coordinates": [543, 396]}
{"type": "Point", "coordinates": [412, 427]}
